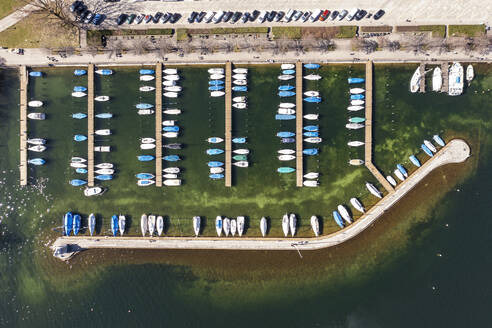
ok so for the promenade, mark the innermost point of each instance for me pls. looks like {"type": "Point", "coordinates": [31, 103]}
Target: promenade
{"type": "Point", "coordinates": [24, 80]}
{"type": "Point", "coordinates": [158, 125]}
{"type": "Point", "coordinates": [299, 125]}
{"type": "Point", "coordinates": [90, 125]}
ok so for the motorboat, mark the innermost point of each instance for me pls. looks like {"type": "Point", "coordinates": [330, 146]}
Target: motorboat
{"type": "Point", "coordinates": [216, 176]}
{"type": "Point", "coordinates": [415, 81]}
{"type": "Point", "coordinates": [171, 170]}
{"type": "Point", "coordinates": [311, 117]}
{"type": "Point", "coordinates": [437, 79]}
{"type": "Point", "coordinates": [283, 94]}
{"type": "Point", "coordinates": [311, 175]}
{"type": "Point", "coordinates": [315, 225]}
{"type": "Point", "coordinates": [287, 87]}
{"type": "Point", "coordinates": [172, 146]}
{"type": "Point", "coordinates": [312, 99]}
{"type": "Point", "coordinates": [104, 177]}
{"type": "Point", "coordinates": [92, 223]}
{"type": "Point", "coordinates": [144, 176]}
{"type": "Point", "coordinates": [263, 226]}
{"type": "Point", "coordinates": [357, 205]}
{"type": "Point", "coordinates": [455, 80]}
{"type": "Point", "coordinates": [216, 170]}
{"type": "Point", "coordinates": [344, 213]}
{"type": "Point", "coordinates": [168, 83]}
{"type": "Point", "coordinates": [217, 93]}
{"type": "Point", "coordinates": [146, 71]}
{"type": "Point", "coordinates": [147, 88]}
{"type": "Point", "coordinates": [81, 170]}
{"type": "Point", "coordinates": [285, 169]}
{"type": "Point", "coordinates": [145, 182]}
{"type": "Point", "coordinates": [216, 76]}
{"type": "Point", "coordinates": [285, 224]}
{"type": "Point", "coordinates": [285, 77]}
{"type": "Point", "coordinates": [239, 140]}
{"type": "Point", "coordinates": [292, 224]}
{"type": "Point", "coordinates": [121, 224]}
{"type": "Point", "coordinates": [399, 175]}
{"type": "Point", "coordinates": [355, 143]}
{"type": "Point", "coordinates": [147, 78]}
{"type": "Point", "coordinates": [103, 132]}
{"type": "Point", "coordinates": [101, 98]}
{"type": "Point", "coordinates": [159, 225]}
{"type": "Point", "coordinates": [170, 128]}
{"type": "Point", "coordinates": [79, 116]}
{"type": "Point", "coordinates": [357, 97]}
{"type": "Point", "coordinates": [287, 66]}
{"type": "Point", "coordinates": [357, 119]}
{"type": "Point", "coordinates": [78, 160]}
{"type": "Point", "coordinates": [215, 82]}
{"type": "Point", "coordinates": [239, 76]}
{"type": "Point", "coordinates": [284, 117]}
{"type": "Point", "coordinates": [310, 151]}
{"type": "Point", "coordinates": [233, 227]}
{"type": "Point", "coordinates": [356, 162]}
{"type": "Point", "coordinates": [227, 226]}
{"type": "Point", "coordinates": [426, 150]}
{"type": "Point", "coordinates": [35, 74]}
{"type": "Point", "coordinates": [215, 88]}
{"type": "Point", "coordinates": [68, 223]}
{"type": "Point", "coordinates": [104, 166]}
{"type": "Point", "coordinates": [310, 183]}
{"type": "Point", "coordinates": [286, 157]}
{"type": "Point", "coordinates": [373, 190]}
{"type": "Point", "coordinates": [354, 126]}
{"type": "Point", "coordinates": [239, 99]}
{"type": "Point", "coordinates": [151, 224]}
{"type": "Point", "coordinates": [79, 88]}
{"type": "Point", "coordinates": [241, 163]}
{"type": "Point", "coordinates": [288, 72]}
{"type": "Point", "coordinates": [354, 80]}
{"type": "Point", "coordinates": [79, 94]}
{"type": "Point", "coordinates": [147, 146]}
{"type": "Point", "coordinates": [311, 128]}
{"type": "Point", "coordinates": [78, 165]}
{"type": "Point", "coordinates": [77, 182]}
{"type": "Point", "coordinates": [104, 71]}
{"type": "Point", "coordinates": [114, 225]}
{"type": "Point", "coordinates": [239, 88]}
{"type": "Point", "coordinates": [215, 71]}
{"type": "Point", "coordinates": [172, 182]}
{"type": "Point", "coordinates": [311, 66]}
{"type": "Point", "coordinates": [145, 158]}
{"type": "Point", "coordinates": [104, 115]}
{"type": "Point", "coordinates": [402, 170]}
{"type": "Point", "coordinates": [171, 94]}
{"type": "Point", "coordinates": [414, 160]}
{"type": "Point", "coordinates": [174, 88]}
{"type": "Point", "coordinates": [313, 77]}
{"type": "Point", "coordinates": [242, 151]}
{"type": "Point", "coordinates": [218, 225]}
{"type": "Point", "coordinates": [143, 224]}
{"type": "Point", "coordinates": [285, 134]}
{"type": "Point", "coordinates": [79, 72]}
{"type": "Point", "coordinates": [170, 71]}
{"type": "Point", "coordinates": [239, 105]}
{"type": "Point", "coordinates": [438, 140]}
{"type": "Point", "coordinates": [104, 171]}
{"type": "Point", "coordinates": [313, 140]}
{"type": "Point", "coordinates": [170, 134]}
{"type": "Point", "coordinates": [287, 105]}
{"type": "Point", "coordinates": [312, 93]}
{"type": "Point", "coordinates": [287, 140]}
{"type": "Point", "coordinates": [286, 151]}
{"type": "Point", "coordinates": [36, 141]}
{"type": "Point", "coordinates": [214, 151]}
{"type": "Point", "coordinates": [240, 225]}
{"type": "Point", "coordinates": [338, 219]}
{"type": "Point", "coordinates": [37, 148]}
{"type": "Point", "coordinates": [145, 112]}
{"type": "Point", "coordinates": [35, 103]}
{"type": "Point", "coordinates": [102, 149]}
{"type": "Point", "coordinates": [470, 73]}
{"type": "Point", "coordinates": [357, 102]}
{"type": "Point", "coordinates": [171, 158]}
{"type": "Point", "coordinates": [172, 111]}
{"type": "Point", "coordinates": [355, 108]}
{"type": "Point", "coordinates": [356, 91]}
{"type": "Point", "coordinates": [240, 70]}
{"type": "Point", "coordinates": [215, 140]}
{"type": "Point", "coordinates": [430, 146]}
{"type": "Point", "coordinates": [36, 116]}
{"type": "Point", "coordinates": [170, 176]}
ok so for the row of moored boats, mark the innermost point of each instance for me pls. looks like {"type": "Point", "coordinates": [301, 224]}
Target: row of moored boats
{"type": "Point", "coordinates": [456, 79]}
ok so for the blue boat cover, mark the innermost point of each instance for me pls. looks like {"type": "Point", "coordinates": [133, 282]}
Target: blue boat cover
{"type": "Point", "coordinates": [285, 169]}
{"type": "Point", "coordinates": [67, 223]}
{"type": "Point", "coordinates": [79, 72]}
{"type": "Point", "coordinates": [311, 134]}
{"type": "Point", "coordinates": [311, 128]}
{"type": "Point", "coordinates": [79, 116]}
{"type": "Point", "coordinates": [216, 176]}
{"type": "Point", "coordinates": [338, 219]}
{"type": "Point", "coordinates": [114, 224]}
{"type": "Point", "coordinates": [173, 128]}
{"type": "Point", "coordinates": [352, 80]}
{"type": "Point", "coordinates": [76, 224]}
{"type": "Point", "coordinates": [287, 140]}
{"type": "Point", "coordinates": [144, 71]}
{"type": "Point", "coordinates": [77, 182]}
{"type": "Point", "coordinates": [283, 117]}
{"type": "Point", "coordinates": [285, 134]}
{"type": "Point", "coordinates": [35, 74]}
{"type": "Point", "coordinates": [104, 115]}
{"type": "Point", "coordinates": [145, 158]}
{"type": "Point", "coordinates": [239, 140]}
{"type": "Point", "coordinates": [36, 161]}
{"type": "Point", "coordinates": [311, 66]}
{"type": "Point", "coordinates": [401, 169]}
{"type": "Point", "coordinates": [79, 137]}
{"type": "Point", "coordinates": [415, 160]}
{"type": "Point", "coordinates": [214, 151]}
{"type": "Point", "coordinates": [144, 176]}
{"type": "Point", "coordinates": [239, 88]}
{"type": "Point", "coordinates": [215, 82]}
{"type": "Point", "coordinates": [357, 97]}
{"type": "Point", "coordinates": [104, 177]}
{"type": "Point", "coordinates": [285, 87]}
{"type": "Point", "coordinates": [214, 164]}
{"type": "Point", "coordinates": [216, 87]}
{"type": "Point", "coordinates": [79, 89]}
{"type": "Point", "coordinates": [426, 150]}
{"type": "Point", "coordinates": [313, 99]}
{"type": "Point", "coordinates": [171, 158]}
{"type": "Point", "coordinates": [310, 151]}
{"type": "Point", "coordinates": [144, 106]}
{"type": "Point", "coordinates": [81, 170]}
{"type": "Point", "coordinates": [288, 71]}
{"type": "Point", "coordinates": [286, 93]}
{"type": "Point", "coordinates": [439, 141]}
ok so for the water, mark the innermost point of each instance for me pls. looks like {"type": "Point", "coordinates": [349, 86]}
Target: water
{"type": "Point", "coordinates": [391, 275]}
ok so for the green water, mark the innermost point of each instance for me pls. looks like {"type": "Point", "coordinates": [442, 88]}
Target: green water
{"type": "Point", "coordinates": [385, 277]}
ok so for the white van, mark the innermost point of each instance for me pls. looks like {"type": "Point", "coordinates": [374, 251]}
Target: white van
{"type": "Point", "coordinates": [218, 17]}
{"type": "Point", "coordinates": [262, 16]}
{"type": "Point", "coordinates": [352, 13]}
{"type": "Point", "coordinates": [289, 15]}
{"type": "Point", "coordinates": [315, 15]}
{"type": "Point", "coordinates": [209, 16]}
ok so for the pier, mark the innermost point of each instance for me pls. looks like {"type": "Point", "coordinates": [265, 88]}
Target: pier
{"type": "Point", "coordinates": [368, 131]}
{"type": "Point", "coordinates": [422, 79]}
{"type": "Point", "coordinates": [90, 125]}
{"type": "Point", "coordinates": [445, 76]}
{"type": "Point", "coordinates": [228, 124]}
{"type": "Point", "coordinates": [24, 80]}
{"type": "Point", "coordinates": [456, 151]}
{"type": "Point", "coordinates": [158, 125]}
{"type": "Point", "coordinates": [299, 122]}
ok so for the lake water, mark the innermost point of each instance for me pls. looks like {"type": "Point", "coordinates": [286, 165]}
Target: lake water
{"type": "Point", "coordinates": [425, 263]}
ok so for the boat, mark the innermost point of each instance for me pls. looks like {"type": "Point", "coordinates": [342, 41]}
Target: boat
{"type": "Point", "coordinates": [357, 102]}
{"type": "Point", "coordinates": [373, 190]}
{"type": "Point", "coordinates": [356, 91]}
{"type": "Point", "coordinates": [399, 175]}
{"type": "Point", "coordinates": [283, 117]}
{"type": "Point", "coordinates": [286, 105]}
{"type": "Point", "coordinates": [68, 223]}
{"type": "Point", "coordinates": [311, 128]}
{"type": "Point", "coordinates": [414, 160]}
{"type": "Point", "coordinates": [170, 176]}
{"type": "Point", "coordinates": [356, 162]}
{"type": "Point", "coordinates": [147, 78]}
{"type": "Point", "coordinates": [79, 94]}
{"type": "Point", "coordinates": [143, 224]}
{"type": "Point", "coordinates": [172, 111]}
{"type": "Point", "coordinates": [286, 157]}
{"type": "Point", "coordinates": [437, 79]}
{"type": "Point", "coordinates": [402, 170]}
{"type": "Point", "coordinates": [285, 77]}
{"type": "Point", "coordinates": [121, 224]}
{"type": "Point", "coordinates": [144, 176]}
{"type": "Point", "coordinates": [312, 77]}
{"type": "Point", "coordinates": [172, 128]}
{"type": "Point", "coordinates": [215, 70]}
{"type": "Point", "coordinates": [286, 87]}
{"type": "Point", "coordinates": [114, 225]}
{"type": "Point", "coordinates": [455, 80]}
{"type": "Point", "coordinates": [170, 71]}
{"type": "Point", "coordinates": [357, 119]}
{"type": "Point", "coordinates": [415, 81]}
{"type": "Point", "coordinates": [37, 148]}
{"type": "Point", "coordinates": [311, 175]}
{"type": "Point", "coordinates": [239, 88]}
{"type": "Point", "coordinates": [353, 80]}
{"type": "Point", "coordinates": [215, 140]}
{"type": "Point", "coordinates": [215, 164]}
{"type": "Point", "coordinates": [101, 98]}
{"type": "Point", "coordinates": [36, 141]}
{"type": "Point", "coordinates": [78, 160]}
{"type": "Point", "coordinates": [239, 99]}
{"type": "Point", "coordinates": [344, 213]}
{"type": "Point", "coordinates": [354, 126]}
{"type": "Point", "coordinates": [239, 140]}
{"type": "Point", "coordinates": [171, 170]}
{"type": "Point", "coordinates": [310, 183]}
{"type": "Point", "coordinates": [292, 224]}
{"type": "Point", "coordinates": [239, 76]}
{"type": "Point", "coordinates": [218, 225]}
{"type": "Point", "coordinates": [288, 71]}
{"type": "Point", "coordinates": [233, 227]}
{"type": "Point", "coordinates": [285, 169]}
{"type": "Point", "coordinates": [312, 93]}
{"type": "Point", "coordinates": [357, 205]}
{"type": "Point", "coordinates": [286, 151]}
{"type": "Point", "coordinates": [312, 99]}
{"type": "Point", "coordinates": [104, 171]}
{"type": "Point", "coordinates": [79, 72]}
{"type": "Point", "coordinates": [147, 88]}
{"type": "Point", "coordinates": [104, 166]}
{"type": "Point", "coordinates": [171, 158]}
{"type": "Point", "coordinates": [242, 151]}
{"type": "Point", "coordinates": [216, 76]}
{"type": "Point", "coordinates": [240, 225]}
{"type": "Point", "coordinates": [79, 88]}
{"type": "Point", "coordinates": [36, 116]}
{"type": "Point", "coordinates": [263, 226]}
{"type": "Point", "coordinates": [81, 170]}
{"type": "Point", "coordinates": [285, 224]}
{"type": "Point", "coordinates": [103, 132]}
{"type": "Point", "coordinates": [286, 93]}
{"type": "Point", "coordinates": [240, 70]}
{"type": "Point", "coordinates": [438, 140]}
{"type": "Point", "coordinates": [226, 223]}
{"type": "Point", "coordinates": [171, 94]}
{"type": "Point", "coordinates": [102, 149]}
{"type": "Point", "coordinates": [147, 146]}
{"type": "Point", "coordinates": [239, 105]}
{"type": "Point", "coordinates": [168, 83]}
{"type": "Point", "coordinates": [240, 157]}
{"type": "Point", "coordinates": [215, 87]}
{"type": "Point", "coordinates": [78, 165]}
{"type": "Point", "coordinates": [355, 143]}
{"type": "Point", "coordinates": [172, 146]}
{"type": "Point", "coordinates": [356, 97]}
{"type": "Point", "coordinates": [355, 108]}
{"type": "Point", "coordinates": [145, 182]}
{"type": "Point", "coordinates": [430, 146]}
{"type": "Point", "coordinates": [91, 221]}
{"type": "Point", "coordinates": [313, 140]}
{"type": "Point", "coordinates": [145, 112]}
{"type": "Point", "coordinates": [285, 134]}
{"type": "Point", "coordinates": [159, 225]}
{"type": "Point", "coordinates": [311, 117]}
{"type": "Point", "coordinates": [216, 176]}
{"type": "Point", "coordinates": [145, 158]}
{"type": "Point", "coordinates": [287, 66]}
{"type": "Point", "coordinates": [35, 103]}
{"type": "Point", "coordinates": [287, 140]}
{"type": "Point", "coordinates": [151, 224]}
{"type": "Point", "coordinates": [241, 163]}
{"type": "Point", "coordinates": [216, 170]}
{"type": "Point", "coordinates": [310, 151]}
{"type": "Point", "coordinates": [338, 219]}
{"type": "Point", "coordinates": [426, 150]}
{"type": "Point", "coordinates": [170, 134]}
{"type": "Point", "coordinates": [214, 151]}
{"type": "Point", "coordinates": [104, 177]}
{"type": "Point", "coordinates": [217, 93]}
{"type": "Point", "coordinates": [77, 182]}
{"type": "Point", "coordinates": [35, 74]}
{"type": "Point", "coordinates": [315, 225]}
{"type": "Point", "coordinates": [311, 66]}
{"type": "Point", "coordinates": [104, 72]}
{"type": "Point", "coordinates": [470, 73]}
{"type": "Point", "coordinates": [104, 115]}
{"type": "Point", "coordinates": [144, 106]}
{"type": "Point", "coordinates": [215, 82]}
{"type": "Point", "coordinates": [146, 71]}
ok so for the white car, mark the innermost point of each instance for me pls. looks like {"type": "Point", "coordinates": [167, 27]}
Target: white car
{"type": "Point", "coordinates": [218, 16]}
{"type": "Point", "coordinates": [209, 16]}
{"type": "Point", "coordinates": [315, 15]}
{"type": "Point", "coordinates": [262, 16]}
{"type": "Point", "coordinates": [352, 13]}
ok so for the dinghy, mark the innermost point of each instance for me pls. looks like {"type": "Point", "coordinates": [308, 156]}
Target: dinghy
{"type": "Point", "coordinates": [312, 77]}
{"type": "Point", "coordinates": [171, 170]}
{"type": "Point", "coordinates": [79, 137]}
{"type": "Point", "coordinates": [292, 224]}
{"type": "Point", "coordinates": [35, 103]}
{"type": "Point", "coordinates": [144, 106]}
{"type": "Point", "coordinates": [77, 182]}
{"type": "Point", "coordinates": [287, 140]}
{"type": "Point", "coordinates": [147, 146]}
{"type": "Point", "coordinates": [144, 176]}
{"type": "Point", "coordinates": [173, 128]}
{"type": "Point", "coordinates": [426, 150]}
{"type": "Point", "coordinates": [286, 105]}
{"type": "Point", "coordinates": [167, 83]}
{"type": "Point", "coordinates": [216, 76]}
{"type": "Point", "coordinates": [240, 225]}
{"type": "Point", "coordinates": [104, 166]}
{"type": "Point", "coordinates": [311, 93]}
{"type": "Point", "coordinates": [143, 224]}
{"type": "Point", "coordinates": [239, 99]}
{"type": "Point", "coordinates": [35, 74]}
{"type": "Point", "coordinates": [353, 80]}
{"type": "Point", "coordinates": [415, 81]}
{"type": "Point", "coordinates": [67, 223]}
{"type": "Point", "coordinates": [285, 134]}
{"type": "Point", "coordinates": [356, 119]}
{"type": "Point", "coordinates": [79, 72]}
{"type": "Point", "coordinates": [145, 112]}
{"type": "Point", "coordinates": [170, 135]}
{"type": "Point", "coordinates": [218, 225]}
{"type": "Point", "coordinates": [287, 66]}
{"type": "Point", "coordinates": [430, 146]}
{"type": "Point", "coordinates": [470, 73]}
{"type": "Point", "coordinates": [36, 141]}
{"type": "Point", "coordinates": [311, 134]}
{"type": "Point", "coordinates": [311, 128]}
{"type": "Point", "coordinates": [344, 213]}
{"type": "Point", "coordinates": [241, 164]}
{"type": "Point", "coordinates": [114, 225]}
{"type": "Point", "coordinates": [147, 88]}
{"type": "Point", "coordinates": [356, 91]}
{"type": "Point", "coordinates": [79, 94]}
{"type": "Point", "coordinates": [92, 223]}
{"type": "Point", "coordinates": [196, 225]}
{"type": "Point", "coordinates": [355, 143]}
{"type": "Point", "coordinates": [239, 105]}
{"type": "Point", "coordinates": [147, 140]}
{"type": "Point", "coordinates": [145, 158]}
{"type": "Point", "coordinates": [356, 162]}
{"type": "Point", "coordinates": [79, 88]}
{"type": "Point", "coordinates": [217, 93]}
{"type": "Point", "coordinates": [283, 117]}
{"type": "Point", "coordinates": [399, 175]}
{"type": "Point", "coordinates": [36, 161]}
{"type": "Point", "coordinates": [172, 146]}
{"type": "Point", "coordinates": [286, 94]}
{"type": "Point", "coordinates": [240, 82]}
{"type": "Point", "coordinates": [438, 140]}
{"type": "Point", "coordinates": [121, 224]}
{"type": "Point", "coordinates": [36, 116]}
{"type": "Point", "coordinates": [170, 71]}
{"type": "Point", "coordinates": [171, 158]}
{"type": "Point", "coordinates": [354, 126]}
{"type": "Point", "coordinates": [311, 66]}
{"type": "Point", "coordinates": [288, 72]}
{"type": "Point", "coordinates": [172, 111]}
{"type": "Point", "coordinates": [285, 224]}
{"type": "Point", "coordinates": [227, 226]}
{"type": "Point", "coordinates": [170, 176]}
{"type": "Point", "coordinates": [357, 102]}
{"type": "Point", "coordinates": [147, 77]}
{"type": "Point", "coordinates": [313, 140]}
{"type": "Point", "coordinates": [373, 190]}
{"type": "Point", "coordinates": [215, 140]}
{"type": "Point", "coordinates": [414, 160]}
{"type": "Point", "coordinates": [215, 71]}
{"type": "Point", "coordinates": [240, 71]}
{"type": "Point", "coordinates": [312, 99]}
{"type": "Point", "coordinates": [101, 98]}
{"type": "Point", "coordinates": [355, 108]}
{"type": "Point", "coordinates": [172, 182]}
{"type": "Point", "coordinates": [240, 140]}
{"type": "Point", "coordinates": [171, 94]}
{"type": "Point", "coordinates": [104, 72]}
{"type": "Point", "coordinates": [338, 219]}
{"type": "Point", "coordinates": [145, 71]}
{"type": "Point", "coordinates": [310, 183]}
{"type": "Point", "coordinates": [143, 183]}
{"type": "Point", "coordinates": [285, 169]}
{"type": "Point", "coordinates": [104, 115]}
{"type": "Point", "coordinates": [357, 205]}
{"type": "Point", "coordinates": [310, 151]}
{"type": "Point", "coordinates": [78, 165]}
{"type": "Point", "coordinates": [214, 151]}
{"type": "Point", "coordinates": [263, 226]}
{"type": "Point", "coordinates": [159, 225]}
{"type": "Point", "coordinates": [239, 88]}
{"type": "Point", "coordinates": [286, 157]}
{"type": "Point", "coordinates": [233, 227]}
{"type": "Point", "coordinates": [437, 79]}
{"type": "Point", "coordinates": [311, 117]}
{"type": "Point", "coordinates": [215, 82]}
{"type": "Point", "coordinates": [104, 171]}
{"type": "Point", "coordinates": [169, 122]}
{"type": "Point", "coordinates": [239, 76]}
{"type": "Point", "coordinates": [315, 225]}
{"type": "Point", "coordinates": [215, 170]}
{"type": "Point", "coordinates": [81, 170]}
{"type": "Point", "coordinates": [103, 132]}
{"type": "Point", "coordinates": [151, 224]}
{"type": "Point", "coordinates": [241, 151]}
{"type": "Point", "coordinates": [286, 87]}
{"type": "Point", "coordinates": [357, 97]}
{"type": "Point", "coordinates": [311, 175]}
{"type": "Point", "coordinates": [37, 148]}
{"type": "Point", "coordinates": [285, 77]}
{"type": "Point", "coordinates": [215, 88]}
{"type": "Point", "coordinates": [104, 177]}
{"type": "Point", "coordinates": [402, 170]}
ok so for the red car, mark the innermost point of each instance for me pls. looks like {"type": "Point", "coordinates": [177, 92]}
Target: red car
{"type": "Point", "coordinates": [324, 15]}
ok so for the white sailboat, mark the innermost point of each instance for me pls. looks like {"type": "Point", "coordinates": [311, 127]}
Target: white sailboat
{"type": "Point", "coordinates": [233, 227]}
{"type": "Point", "coordinates": [285, 224]}
{"type": "Point", "coordinates": [101, 98]}
{"type": "Point", "coordinates": [470, 73]}
{"type": "Point", "coordinates": [287, 105]}
{"type": "Point", "coordinates": [217, 93]}
{"type": "Point", "coordinates": [171, 94]}
{"type": "Point", "coordinates": [373, 190]}
{"type": "Point", "coordinates": [311, 117]}
{"type": "Point", "coordinates": [226, 224]}
{"type": "Point", "coordinates": [415, 81]}
{"type": "Point", "coordinates": [355, 143]}
{"type": "Point", "coordinates": [92, 223]}
{"type": "Point", "coordinates": [196, 225]}
{"type": "Point", "coordinates": [455, 80]}
{"type": "Point", "coordinates": [310, 183]}
{"type": "Point", "coordinates": [151, 224]}
{"type": "Point", "coordinates": [263, 226]}
{"type": "Point", "coordinates": [344, 213]}
{"type": "Point", "coordinates": [160, 225]}
{"type": "Point", "coordinates": [315, 225]}
{"type": "Point", "coordinates": [240, 225]}
{"type": "Point", "coordinates": [311, 175]}
{"type": "Point", "coordinates": [170, 71]}
{"type": "Point", "coordinates": [292, 224]}
{"type": "Point", "coordinates": [313, 77]}
{"type": "Point", "coordinates": [356, 91]}
{"type": "Point", "coordinates": [146, 77]}
{"type": "Point", "coordinates": [357, 205]}
{"type": "Point", "coordinates": [147, 88]}
{"type": "Point", "coordinates": [391, 180]}
{"type": "Point", "coordinates": [286, 157]}
{"type": "Point", "coordinates": [240, 70]}
{"type": "Point", "coordinates": [216, 70]}
{"type": "Point", "coordinates": [437, 79]}
{"type": "Point", "coordinates": [172, 111]}
{"type": "Point", "coordinates": [399, 175]}
{"type": "Point", "coordinates": [143, 224]}
{"type": "Point", "coordinates": [286, 111]}
{"type": "Point", "coordinates": [287, 66]}
{"type": "Point", "coordinates": [35, 103]}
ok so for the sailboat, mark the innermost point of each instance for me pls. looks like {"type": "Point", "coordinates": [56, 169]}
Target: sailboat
{"type": "Point", "coordinates": [160, 225]}
{"type": "Point", "coordinates": [233, 227]}
{"type": "Point", "coordinates": [240, 225]}
{"type": "Point", "coordinates": [147, 88]}
{"type": "Point", "coordinates": [101, 98]}
{"type": "Point", "coordinates": [36, 116]}
{"type": "Point", "coordinates": [470, 73]}
{"type": "Point", "coordinates": [121, 224]}
{"type": "Point", "coordinates": [79, 94]}
{"type": "Point", "coordinates": [292, 224]}
{"type": "Point", "coordinates": [218, 225]}
{"type": "Point", "coordinates": [311, 117]}
{"type": "Point", "coordinates": [315, 225]}
{"type": "Point", "coordinates": [227, 226]}
{"type": "Point", "coordinates": [263, 226]}
{"type": "Point", "coordinates": [287, 105]}
{"type": "Point", "coordinates": [285, 224]}
{"type": "Point", "coordinates": [151, 224]}
{"type": "Point", "coordinates": [311, 175]}
{"type": "Point", "coordinates": [415, 81]}
{"type": "Point", "coordinates": [437, 79]}
{"type": "Point", "coordinates": [357, 205]}
{"type": "Point", "coordinates": [287, 66]}
{"type": "Point", "coordinates": [143, 224]}
{"type": "Point", "coordinates": [430, 146]}
{"type": "Point", "coordinates": [114, 225]}
{"type": "Point", "coordinates": [104, 71]}
{"type": "Point", "coordinates": [286, 111]}
{"type": "Point", "coordinates": [312, 77]}
{"type": "Point", "coordinates": [356, 91]}
{"type": "Point", "coordinates": [285, 169]}
{"type": "Point", "coordinates": [172, 111]}
{"type": "Point", "coordinates": [373, 190]}
{"type": "Point", "coordinates": [355, 143]}
{"type": "Point", "coordinates": [240, 70]}
{"type": "Point", "coordinates": [35, 103]}
{"type": "Point", "coordinates": [146, 78]}
{"type": "Point", "coordinates": [402, 170]}
{"type": "Point", "coordinates": [92, 223]}
{"type": "Point", "coordinates": [356, 162]}
{"type": "Point", "coordinates": [399, 175]}
{"type": "Point", "coordinates": [216, 76]}
{"type": "Point", "coordinates": [438, 140]}
{"type": "Point", "coordinates": [414, 160]}
{"type": "Point", "coordinates": [170, 71]}
{"type": "Point", "coordinates": [68, 223]}
{"type": "Point", "coordinates": [391, 180]}
{"type": "Point", "coordinates": [355, 108]}
{"type": "Point", "coordinates": [37, 148]}
{"type": "Point", "coordinates": [338, 219]}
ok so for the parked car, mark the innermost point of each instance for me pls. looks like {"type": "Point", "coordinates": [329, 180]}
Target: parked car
{"type": "Point", "coordinates": [88, 19]}
{"type": "Point", "coordinates": [306, 15]}
{"type": "Point", "coordinates": [288, 15]}
{"type": "Point", "coordinates": [263, 16]}
{"type": "Point", "coordinates": [279, 16]}
{"type": "Point", "coordinates": [315, 15]}
{"type": "Point", "coordinates": [352, 13]}
{"type": "Point", "coordinates": [84, 15]}
{"type": "Point", "coordinates": [200, 17]}
{"type": "Point", "coordinates": [166, 17]}
{"type": "Point", "coordinates": [80, 9]}
{"type": "Point", "coordinates": [147, 19]}
{"type": "Point", "coordinates": [227, 16]}
{"type": "Point", "coordinates": [121, 19]}
{"type": "Point", "coordinates": [379, 14]}
{"type": "Point", "coordinates": [245, 17]}
{"type": "Point", "coordinates": [254, 15]}
{"type": "Point", "coordinates": [209, 16]}
{"type": "Point", "coordinates": [237, 15]}
{"type": "Point", "coordinates": [131, 18]}
{"type": "Point", "coordinates": [174, 18]}
{"type": "Point", "coordinates": [139, 18]}
{"type": "Point", "coordinates": [360, 14]}
{"type": "Point", "coordinates": [75, 5]}
{"type": "Point", "coordinates": [98, 19]}
{"type": "Point", "coordinates": [334, 15]}
{"type": "Point", "coordinates": [297, 15]}
{"type": "Point", "coordinates": [271, 15]}
{"type": "Point", "coordinates": [342, 15]}
{"type": "Point", "coordinates": [192, 17]}
{"type": "Point", "coordinates": [324, 15]}
{"type": "Point", "coordinates": [157, 17]}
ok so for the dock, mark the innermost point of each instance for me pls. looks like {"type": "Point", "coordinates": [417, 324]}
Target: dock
{"type": "Point", "coordinates": [228, 124]}
{"type": "Point", "coordinates": [368, 131]}
{"type": "Point", "coordinates": [445, 76]}
{"type": "Point", "coordinates": [299, 122]}
{"type": "Point", "coordinates": [456, 151]}
{"type": "Point", "coordinates": [422, 79]}
{"type": "Point", "coordinates": [24, 80]}
{"type": "Point", "coordinates": [90, 125]}
{"type": "Point", "coordinates": [158, 124]}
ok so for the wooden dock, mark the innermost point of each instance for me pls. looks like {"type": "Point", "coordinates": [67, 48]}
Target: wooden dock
{"type": "Point", "coordinates": [90, 125]}
{"type": "Point", "coordinates": [299, 122]}
{"type": "Point", "coordinates": [158, 125]}
{"type": "Point", "coordinates": [228, 124]}
{"type": "Point", "coordinates": [24, 79]}
{"type": "Point", "coordinates": [368, 131]}
{"type": "Point", "coordinates": [445, 76]}
{"type": "Point", "coordinates": [422, 79]}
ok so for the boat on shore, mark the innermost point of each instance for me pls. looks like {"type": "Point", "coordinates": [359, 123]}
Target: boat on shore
{"type": "Point", "coordinates": [285, 224]}
{"type": "Point", "coordinates": [373, 190]}
{"type": "Point", "coordinates": [151, 224]}
{"type": "Point", "coordinates": [92, 223]}
{"type": "Point", "coordinates": [143, 224]}
{"type": "Point", "coordinates": [357, 205]}
{"type": "Point", "coordinates": [292, 224]}
{"type": "Point", "coordinates": [344, 213]}
{"type": "Point", "coordinates": [437, 79]}
{"type": "Point", "coordinates": [315, 225]}
{"type": "Point", "coordinates": [227, 226]}
{"type": "Point", "coordinates": [470, 73]}
{"type": "Point", "coordinates": [399, 175]}
{"type": "Point", "coordinates": [415, 81]}
{"type": "Point", "coordinates": [402, 170]}
{"type": "Point", "coordinates": [218, 225]}
{"type": "Point", "coordinates": [456, 83]}
{"type": "Point", "coordinates": [263, 226]}
{"type": "Point", "coordinates": [391, 180]}
{"type": "Point", "coordinates": [338, 219]}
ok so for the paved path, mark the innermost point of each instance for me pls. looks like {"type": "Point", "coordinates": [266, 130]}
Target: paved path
{"type": "Point", "coordinates": [299, 126]}
{"type": "Point", "coordinates": [456, 151]}
{"type": "Point", "coordinates": [23, 167]}
{"type": "Point", "coordinates": [15, 17]}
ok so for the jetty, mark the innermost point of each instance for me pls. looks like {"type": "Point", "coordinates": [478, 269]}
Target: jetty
{"type": "Point", "coordinates": [456, 151]}
{"type": "Point", "coordinates": [368, 131]}
{"type": "Point", "coordinates": [158, 124]}
{"type": "Point", "coordinates": [299, 122]}
{"type": "Point", "coordinates": [24, 80]}
{"type": "Point", "coordinates": [422, 79]}
{"type": "Point", "coordinates": [90, 125]}
{"type": "Point", "coordinates": [228, 124]}
{"type": "Point", "coordinates": [445, 76]}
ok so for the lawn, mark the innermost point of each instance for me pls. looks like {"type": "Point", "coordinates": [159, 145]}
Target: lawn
{"type": "Point", "coordinates": [8, 6]}
{"type": "Point", "coordinates": [346, 32]}
{"type": "Point", "coordinates": [293, 33]}
{"type": "Point", "coordinates": [437, 30]}
{"type": "Point", "coordinates": [466, 30]}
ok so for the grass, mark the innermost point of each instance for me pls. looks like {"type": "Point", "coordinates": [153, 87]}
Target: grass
{"type": "Point", "coordinates": [346, 32]}
{"type": "Point", "coordinates": [293, 32]}
{"type": "Point", "coordinates": [8, 6]}
{"type": "Point", "coordinates": [182, 34]}
{"type": "Point", "coordinates": [369, 29]}
{"type": "Point", "coordinates": [235, 30]}
{"type": "Point", "coordinates": [467, 30]}
{"type": "Point", "coordinates": [437, 30]}
{"type": "Point", "coordinates": [94, 36]}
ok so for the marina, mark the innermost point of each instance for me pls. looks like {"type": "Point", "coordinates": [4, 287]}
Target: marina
{"type": "Point", "coordinates": [228, 124]}
{"type": "Point", "coordinates": [299, 126]}
{"type": "Point", "coordinates": [24, 80]}
{"type": "Point", "coordinates": [90, 125]}
{"type": "Point", "coordinates": [158, 125]}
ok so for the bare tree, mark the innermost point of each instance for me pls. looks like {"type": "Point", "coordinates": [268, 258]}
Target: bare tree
{"type": "Point", "coordinates": [164, 47]}
{"type": "Point", "coordinates": [115, 47]}
{"type": "Point", "coordinates": [140, 46]}
{"type": "Point", "coordinates": [393, 45]}
{"type": "Point", "coordinates": [418, 44]}
{"type": "Point", "coordinates": [3, 62]}
{"type": "Point", "coordinates": [68, 50]}
{"type": "Point", "coordinates": [443, 46]}
{"type": "Point", "coordinates": [366, 45]}
{"type": "Point", "coordinates": [326, 45]}
{"type": "Point", "coordinates": [470, 45]}
{"type": "Point", "coordinates": [228, 47]}
{"type": "Point", "coordinates": [298, 47]}
{"type": "Point", "coordinates": [52, 9]}
{"type": "Point", "coordinates": [484, 45]}
{"type": "Point", "coordinates": [92, 50]}
{"type": "Point", "coordinates": [275, 47]}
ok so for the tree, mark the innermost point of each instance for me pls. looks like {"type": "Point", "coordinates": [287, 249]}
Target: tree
{"type": "Point", "coordinates": [366, 45]}
{"type": "Point", "coordinates": [325, 45]}
{"type": "Point", "coordinates": [470, 45]}
{"type": "Point", "coordinates": [164, 47]}
{"type": "Point", "coordinates": [92, 50]}
{"type": "Point", "coordinates": [298, 47]}
{"type": "Point", "coordinates": [140, 46]}
{"type": "Point", "coordinates": [52, 9]}
{"type": "Point", "coordinates": [393, 45]}
{"type": "Point", "coordinates": [444, 46]}
{"type": "Point", "coordinates": [115, 48]}
{"type": "Point", "coordinates": [418, 44]}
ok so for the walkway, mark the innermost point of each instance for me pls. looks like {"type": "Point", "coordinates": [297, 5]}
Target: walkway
{"type": "Point", "coordinates": [158, 125]}
{"type": "Point", "coordinates": [445, 76]}
{"type": "Point", "coordinates": [16, 17]}
{"type": "Point", "coordinates": [422, 80]}
{"type": "Point", "coordinates": [90, 125]}
{"type": "Point", "coordinates": [228, 124]}
{"type": "Point", "coordinates": [24, 80]}
{"type": "Point", "coordinates": [456, 151]}
{"type": "Point", "coordinates": [299, 122]}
